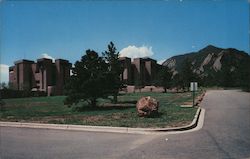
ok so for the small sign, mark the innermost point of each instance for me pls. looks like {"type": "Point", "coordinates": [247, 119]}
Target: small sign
{"type": "Point", "coordinates": [193, 86]}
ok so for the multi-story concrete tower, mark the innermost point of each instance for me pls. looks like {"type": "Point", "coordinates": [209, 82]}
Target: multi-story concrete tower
{"type": "Point", "coordinates": [150, 71]}
{"type": "Point", "coordinates": [49, 77]}
{"type": "Point", "coordinates": [20, 75]}
{"type": "Point", "coordinates": [44, 75]}
{"type": "Point", "coordinates": [140, 72]}
{"type": "Point", "coordinates": [62, 74]}
{"type": "Point", "coordinates": [126, 75]}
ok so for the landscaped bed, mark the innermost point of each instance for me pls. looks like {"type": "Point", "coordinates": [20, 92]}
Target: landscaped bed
{"type": "Point", "coordinates": [52, 110]}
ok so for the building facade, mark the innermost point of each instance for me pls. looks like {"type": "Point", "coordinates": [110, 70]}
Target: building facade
{"type": "Point", "coordinates": [140, 71]}
{"type": "Point", "coordinates": [50, 77]}
{"type": "Point", "coordinates": [44, 75]}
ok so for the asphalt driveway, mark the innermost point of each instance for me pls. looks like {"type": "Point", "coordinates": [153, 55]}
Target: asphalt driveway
{"type": "Point", "coordinates": [225, 134]}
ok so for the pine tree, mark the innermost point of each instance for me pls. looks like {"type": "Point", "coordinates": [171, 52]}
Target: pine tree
{"type": "Point", "coordinates": [114, 82]}
{"type": "Point", "coordinates": [187, 73]}
{"type": "Point", "coordinates": [164, 78]}
{"type": "Point", "coordinates": [88, 80]}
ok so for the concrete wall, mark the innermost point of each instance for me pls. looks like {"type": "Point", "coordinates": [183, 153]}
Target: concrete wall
{"type": "Point", "coordinates": [133, 89]}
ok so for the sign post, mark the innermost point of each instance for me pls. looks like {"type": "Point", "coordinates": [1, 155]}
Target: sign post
{"type": "Point", "coordinates": [193, 88]}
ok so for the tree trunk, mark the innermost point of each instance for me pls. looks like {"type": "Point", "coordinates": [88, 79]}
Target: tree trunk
{"type": "Point", "coordinates": [165, 90]}
{"type": "Point", "coordinates": [93, 102]}
{"type": "Point", "coordinates": [115, 98]}
{"type": "Point", "coordinates": [115, 95]}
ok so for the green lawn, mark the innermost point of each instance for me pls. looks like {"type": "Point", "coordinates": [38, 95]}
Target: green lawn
{"type": "Point", "coordinates": [52, 110]}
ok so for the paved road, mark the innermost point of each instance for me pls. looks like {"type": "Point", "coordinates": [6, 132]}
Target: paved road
{"type": "Point", "coordinates": [225, 135]}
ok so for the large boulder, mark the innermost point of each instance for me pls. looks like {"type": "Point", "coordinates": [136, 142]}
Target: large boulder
{"type": "Point", "coordinates": [147, 106]}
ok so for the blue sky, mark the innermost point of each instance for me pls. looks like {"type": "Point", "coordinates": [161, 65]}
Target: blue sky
{"type": "Point", "coordinates": [160, 29]}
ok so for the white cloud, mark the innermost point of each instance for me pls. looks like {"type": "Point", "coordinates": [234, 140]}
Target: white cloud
{"type": "Point", "coordinates": [45, 55]}
{"type": "Point", "coordinates": [4, 73]}
{"type": "Point", "coordinates": [71, 71]}
{"type": "Point", "coordinates": [135, 52]}
{"type": "Point", "coordinates": [161, 61]}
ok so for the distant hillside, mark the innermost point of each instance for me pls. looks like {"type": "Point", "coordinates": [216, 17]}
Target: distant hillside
{"type": "Point", "coordinates": [213, 62]}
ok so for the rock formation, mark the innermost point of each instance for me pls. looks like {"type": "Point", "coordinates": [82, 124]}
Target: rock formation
{"type": "Point", "coordinates": [147, 106]}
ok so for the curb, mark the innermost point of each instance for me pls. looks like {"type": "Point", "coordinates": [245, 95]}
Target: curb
{"type": "Point", "coordinates": [199, 99]}
{"type": "Point", "coordinates": [104, 128]}
{"type": "Point", "coordinates": [183, 128]}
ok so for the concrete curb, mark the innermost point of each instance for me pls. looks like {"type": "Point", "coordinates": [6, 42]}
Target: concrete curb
{"type": "Point", "coordinates": [183, 128]}
{"type": "Point", "coordinates": [105, 128]}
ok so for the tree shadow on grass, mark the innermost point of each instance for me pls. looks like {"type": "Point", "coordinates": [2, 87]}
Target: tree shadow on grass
{"type": "Point", "coordinates": [127, 102]}
{"type": "Point", "coordinates": [102, 108]}
{"type": "Point", "coordinates": [155, 115]}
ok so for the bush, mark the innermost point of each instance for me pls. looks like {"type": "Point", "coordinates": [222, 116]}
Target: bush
{"type": "Point", "coordinates": [2, 103]}
{"type": "Point", "coordinates": [10, 93]}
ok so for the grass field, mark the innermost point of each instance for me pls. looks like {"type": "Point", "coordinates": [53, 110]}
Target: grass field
{"type": "Point", "coordinates": [52, 110]}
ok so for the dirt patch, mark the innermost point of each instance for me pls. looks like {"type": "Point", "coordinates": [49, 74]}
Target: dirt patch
{"type": "Point", "coordinates": [93, 118]}
{"type": "Point", "coordinates": [187, 103]}
{"type": "Point", "coordinates": [119, 116]}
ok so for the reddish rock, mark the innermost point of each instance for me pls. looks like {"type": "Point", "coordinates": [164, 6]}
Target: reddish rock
{"type": "Point", "coordinates": [147, 106]}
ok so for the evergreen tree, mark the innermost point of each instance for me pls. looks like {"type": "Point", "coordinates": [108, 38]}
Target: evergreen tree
{"type": "Point", "coordinates": [88, 80]}
{"type": "Point", "coordinates": [225, 77]}
{"type": "Point", "coordinates": [163, 78]}
{"type": "Point", "coordinates": [187, 73]}
{"type": "Point", "coordinates": [114, 82]}
{"type": "Point", "coordinates": [3, 85]}
{"type": "Point", "coordinates": [244, 74]}
{"type": "Point", "coordinates": [177, 81]}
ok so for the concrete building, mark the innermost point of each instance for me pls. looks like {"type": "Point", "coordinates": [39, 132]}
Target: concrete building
{"type": "Point", "coordinates": [49, 77]}
{"type": "Point", "coordinates": [126, 76]}
{"type": "Point", "coordinates": [139, 72]}
{"type": "Point", "coordinates": [44, 75]}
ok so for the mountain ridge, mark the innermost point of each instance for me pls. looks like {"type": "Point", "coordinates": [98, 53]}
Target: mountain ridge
{"type": "Point", "coordinates": [211, 61]}
{"type": "Point", "coordinates": [203, 55]}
